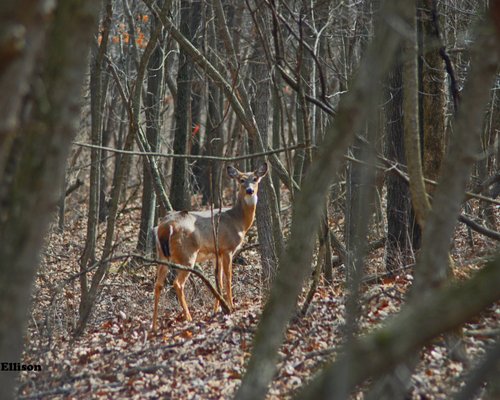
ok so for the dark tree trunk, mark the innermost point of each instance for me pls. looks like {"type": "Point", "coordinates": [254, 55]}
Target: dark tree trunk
{"type": "Point", "coordinates": [353, 204]}
{"type": "Point", "coordinates": [268, 219]}
{"type": "Point", "coordinates": [97, 93]}
{"type": "Point", "coordinates": [180, 191]}
{"type": "Point", "coordinates": [195, 136]}
{"type": "Point", "coordinates": [401, 226]}
{"type": "Point", "coordinates": [153, 126]}
{"type": "Point", "coordinates": [209, 173]}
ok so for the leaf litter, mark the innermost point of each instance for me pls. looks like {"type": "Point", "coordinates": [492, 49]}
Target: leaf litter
{"type": "Point", "coordinates": [119, 357]}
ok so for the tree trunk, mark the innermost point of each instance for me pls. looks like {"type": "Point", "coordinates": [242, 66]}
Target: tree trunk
{"type": "Point", "coordinates": [30, 184]}
{"type": "Point", "coordinates": [153, 126]}
{"type": "Point", "coordinates": [210, 170]}
{"type": "Point", "coordinates": [96, 101]}
{"type": "Point", "coordinates": [432, 94]}
{"type": "Point", "coordinates": [107, 133]}
{"type": "Point", "coordinates": [180, 191]}
{"type": "Point", "coordinates": [268, 218]}
{"type": "Point", "coordinates": [23, 34]}
{"type": "Point", "coordinates": [399, 215]}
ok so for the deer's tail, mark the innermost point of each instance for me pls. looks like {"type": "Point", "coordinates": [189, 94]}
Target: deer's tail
{"type": "Point", "coordinates": [162, 234]}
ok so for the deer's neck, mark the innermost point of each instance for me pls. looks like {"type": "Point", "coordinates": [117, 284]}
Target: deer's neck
{"type": "Point", "coordinates": [244, 210]}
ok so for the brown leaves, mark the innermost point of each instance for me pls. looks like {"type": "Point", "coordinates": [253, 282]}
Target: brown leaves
{"type": "Point", "coordinates": [119, 357]}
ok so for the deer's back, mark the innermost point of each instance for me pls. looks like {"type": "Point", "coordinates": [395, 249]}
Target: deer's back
{"type": "Point", "coordinates": [194, 232]}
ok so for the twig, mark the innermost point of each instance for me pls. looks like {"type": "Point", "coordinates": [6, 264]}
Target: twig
{"type": "Point", "coordinates": [151, 261]}
{"type": "Point", "coordinates": [51, 392]}
{"type": "Point", "coordinates": [455, 93]}
{"type": "Point", "coordinates": [196, 157]}
{"type": "Point", "coordinates": [375, 278]}
{"type": "Point", "coordinates": [75, 185]}
{"type": "Point", "coordinates": [479, 228]}
{"type": "Point", "coordinates": [241, 250]}
{"type": "Point", "coordinates": [393, 166]}
{"type": "Point", "coordinates": [490, 333]}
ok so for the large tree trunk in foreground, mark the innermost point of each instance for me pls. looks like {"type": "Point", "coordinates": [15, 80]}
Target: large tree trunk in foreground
{"type": "Point", "coordinates": [30, 186]}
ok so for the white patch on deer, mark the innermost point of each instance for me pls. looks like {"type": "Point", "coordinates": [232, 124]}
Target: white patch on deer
{"type": "Point", "coordinates": [251, 200]}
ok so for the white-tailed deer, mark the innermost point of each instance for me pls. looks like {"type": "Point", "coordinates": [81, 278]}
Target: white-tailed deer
{"type": "Point", "coordinates": [185, 238]}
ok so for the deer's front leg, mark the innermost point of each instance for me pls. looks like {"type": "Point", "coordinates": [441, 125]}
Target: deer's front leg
{"type": "Point", "coordinates": [179, 284]}
{"type": "Point", "coordinates": [218, 280]}
{"type": "Point", "coordinates": [227, 264]}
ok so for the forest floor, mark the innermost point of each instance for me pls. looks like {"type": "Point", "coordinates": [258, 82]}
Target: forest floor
{"type": "Point", "coordinates": [119, 357]}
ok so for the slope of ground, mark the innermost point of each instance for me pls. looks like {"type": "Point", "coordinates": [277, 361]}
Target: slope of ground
{"type": "Point", "coordinates": [118, 356]}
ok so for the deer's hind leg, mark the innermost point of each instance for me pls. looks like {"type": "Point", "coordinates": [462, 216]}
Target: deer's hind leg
{"type": "Point", "coordinates": [180, 282]}
{"type": "Point", "coordinates": [161, 274]}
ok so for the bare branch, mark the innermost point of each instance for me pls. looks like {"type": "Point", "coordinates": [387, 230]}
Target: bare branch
{"type": "Point", "coordinates": [196, 157]}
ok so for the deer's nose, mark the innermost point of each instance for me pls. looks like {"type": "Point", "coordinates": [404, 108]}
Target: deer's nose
{"type": "Point", "coordinates": [249, 191]}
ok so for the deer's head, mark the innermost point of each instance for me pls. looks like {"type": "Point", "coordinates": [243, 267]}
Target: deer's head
{"type": "Point", "coordinates": [248, 182]}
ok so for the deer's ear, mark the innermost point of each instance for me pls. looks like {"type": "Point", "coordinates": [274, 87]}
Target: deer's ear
{"type": "Point", "coordinates": [261, 171]}
{"type": "Point", "coordinates": [232, 172]}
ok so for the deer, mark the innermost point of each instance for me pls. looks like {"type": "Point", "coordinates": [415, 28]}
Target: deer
{"type": "Point", "coordinates": [187, 237]}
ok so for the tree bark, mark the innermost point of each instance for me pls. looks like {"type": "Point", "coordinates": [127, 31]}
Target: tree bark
{"type": "Point", "coordinates": [267, 215]}
{"type": "Point", "coordinates": [30, 186]}
{"type": "Point", "coordinates": [400, 220]}
{"type": "Point", "coordinates": [153, 126]}
{"type": "Point", "coordinates": [432, 95]}
{"type": "Point", "coordinates": [413, 151]}
{"type": "Point", "coordinates": [96, 102]}
{"type": "Point", "coordinates": [23, 29]}
{"type": "Point", "coordinates": [180, 191]}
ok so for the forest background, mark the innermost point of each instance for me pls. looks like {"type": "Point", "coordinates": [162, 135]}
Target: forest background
{"type": "Point", "coordinates": [372, 269]}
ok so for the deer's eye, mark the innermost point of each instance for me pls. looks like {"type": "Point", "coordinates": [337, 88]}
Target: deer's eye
{"type": "Point", "coordinates": [255, 179]}
{"type": "Point", "coordinates": [242, 180]}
